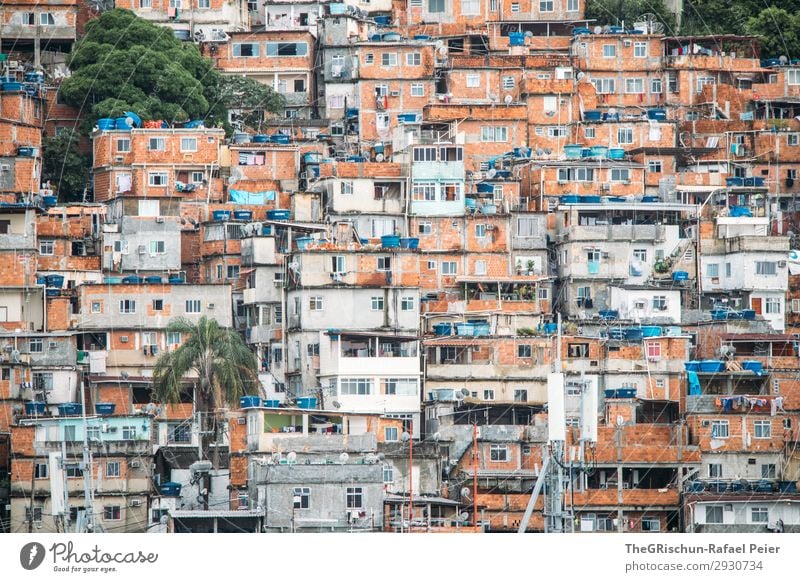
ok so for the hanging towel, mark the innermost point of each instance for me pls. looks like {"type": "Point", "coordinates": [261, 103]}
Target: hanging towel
{"type": "Point", "coordinates": [694, 384]}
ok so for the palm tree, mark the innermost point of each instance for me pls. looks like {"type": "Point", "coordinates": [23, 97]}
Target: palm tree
{"type": "Point", "coordinates": [214, 359]}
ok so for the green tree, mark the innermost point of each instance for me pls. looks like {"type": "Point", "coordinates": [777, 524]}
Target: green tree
{"type": "Point", "coordinates": [65, 166]}
{"type": "Point", "coordinates": [250, 99]}
{"type": "Point", "coordinates": [614, 12]}
{"type": "Point", "coordinates": [213, 358]}
{"type": "Point", "coordinates": [779, 29]}
{"type": "Point", "coordinates": [124, 63]}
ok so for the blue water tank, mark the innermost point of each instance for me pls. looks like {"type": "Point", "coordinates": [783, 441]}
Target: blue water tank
{"type": "Point", "coordinates": [272, 403]}
{"type": "Point", "coordinates": [122, 123]}
{"type": "Point", "coordinates": [278, 214]}
{"type": "Point", "coordinates": [34, 408]}
{"type": "Point", "coordinates": [171, 489]}
{"type": "Point", "coordinates": [260, 138]}
{"type": "Point", "coordinates": [390, 241]}
{"type": "Point", "coordinates": [249, 402]}
{"type": "Point", "coordinates": [243, 214]}
{"type": "Point", "coordinates": [105, 408]}
{"type": "Point", "coordinates": [218, 215]}
{"type": "Point", "coordinates": [153, 279]}
{"type": "Point", "coordinates": [106, 123]}
{"type": "Point", "coordinates": [516, 39]}
{"type": "Point", "coordinates": [307, 403]}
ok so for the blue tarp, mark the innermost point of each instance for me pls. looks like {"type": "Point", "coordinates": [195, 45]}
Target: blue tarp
{"type": "Point", "coordinates": [242, 197]}
{"type": "Point", "coordinates": [694, 384]}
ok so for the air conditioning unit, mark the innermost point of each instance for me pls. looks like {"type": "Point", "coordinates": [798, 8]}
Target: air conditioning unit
{"type": "Point", "coordinates": [5, 168]}
{"type": "Point", "coordinates": [490, 227]}
{"type": "Point", "coordinates": [188, 156]}
{"type": "Point", "coordinates": [782, 264]}
{"type": "Point", "coordinates": [123, 339]}
{"type": "Point", "coordinates": [241, 421]}
{"type": "Point", "coordinates": [136, 502]}
{"type": "Point", "coordinates": [211, 306]}
{"type": "Point", "coordinates": [395, 93]}
{"type": "Point", "coordinates": [627, 43]}
{"type": "Point", "coordinates": [135, 464]}
{"type": "Point", "coordinates": [705, 423]}
{"type": "Point", "coordinates": [160, 220]}
{"type": "Point", "coordinates": [605, 187]}
{"type": "Point", "coordinates": [605, 255]}
{"type": "Point", "coordinates": [13, 64]}
{"type": "Point", "coordinates": [141, 250]}
{"type": "Point", "coordinates": [119, 159]}
{"type": "Point", "coordinates": [104, 427]}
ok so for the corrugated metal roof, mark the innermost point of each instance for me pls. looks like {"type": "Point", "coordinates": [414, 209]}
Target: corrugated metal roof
{"type": "Point", "coordinates": [212, 513]}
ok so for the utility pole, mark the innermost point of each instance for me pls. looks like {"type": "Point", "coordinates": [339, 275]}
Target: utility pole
{"type": "Point", "coordinates": [475, 474]}
{"type": "Point", "coordinates": [88, 504]}
{"type": "Point", "coordinates": [410, 474]}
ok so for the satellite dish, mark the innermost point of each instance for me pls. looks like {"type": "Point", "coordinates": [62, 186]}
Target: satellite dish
{"type": "Point", "coordinates": [381, 456]}
{"type": "Point", "coordinates": [652, 23]}
{"type": "Point", "coordinates": [598, 29]}
{"type": "Point", "coordinates": [465, 392]}
{"type": "Point", "coordinates": [465, 492]}
{"type": "Point", "coordinates": [528, 34]}
{"type": "Point", "coordinates": [464, 516]}
{"type": "Point", "coordinates": [580, 75]}
{"type": "Point", "coordinates": [15, 355]}
{"type": "Point", "coordinates": [459, 396]}
{"type": "Point", "coordinates": [491, 173]}
{"type": "Point", "coordinates": [379, 157]}
{"type": "Point", "coordinates": [508, 99]}
{"type": "Point", "coordinates": [124, 375]}
{"type": "Point", "coordinates": [336, 404]}
{"type": "Point", "coordinates": [436, 436]}
{"type": "Point", "coordinates": [291, 458]}
{"type": "Point", "coordinates": [343, 458]}
{"type": "Point", "coordinates": [539, 152]}
{"type": "Point", "coordinates": [784, 60]}
{"type": "Point", "coordinates": [157, 411]}
{"type": "Point", "coordinates": [612, 111]}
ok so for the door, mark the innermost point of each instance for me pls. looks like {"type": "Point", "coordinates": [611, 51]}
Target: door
{"type": "Point", "coordinates": [755, 304]}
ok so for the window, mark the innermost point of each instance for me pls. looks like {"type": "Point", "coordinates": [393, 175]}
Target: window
{"type": "Point", "coordinates": [417, 90]}
{"type": "Point", "coordinates": [653, 351]}
{"type": "Point", "coordinates": [473, 81]}
{"type": "Point", "coordinates": [759, 514]}
{"type": "Point", "coordinates": [356, 386]}
{"type": "Point", "coordinates": [158, 179]}
{"type": "Point", "coordinates": [179, 433]}
{"type": "Point", "coordinates": [156, 144]}
{"type": "Point", "coordinates": [188, 144]}
{"type": "Point", "coordinates": [127, 306]}
{"type": "Point", "coordinates": [480, 230]}
{"type": "Point", "coordinates": [620, 175]}
{"type": "Point", "coordinates": [376, 303]}
{"type": "Point", "coordinates": [702, 82]}
{"type": "Point", "coordinates": [557, 131]}
{"type": "Point", "coordinates": [713, 514]}
{"type": "Point", "coordinates": [634, 86]}
{"type": "Point", "coordinates": [712, 270]}
{"type": "Point", "coordinates": [588, 132]}
{"type": "Point", "coordinates": [301, 497]}
{"type": "Point", "coordinates": [449, 268]}
{"type": "Point", "coordinates": [524, 351]}
{"type": "Point", "coordinates": [354, 496]}
{"type": "Point", "coordinates": [232, 271]}
{"type": "Point", "coordinates": [204, 4]}
{"type": "Point", "coordinates": [46, 19]}
{"type": "Point", "coordinates": [414, 59]}
{"type": "Point", "coordinates": [369, 59]}
{"type": "Point", "coordinates": [157, 247]}
{"type": "Point", "coordinates": [145, 3]}
{"type": "Point", "coordinates": [640, 254]}
{"type": "Point", "coordinates": [400, 386]}
{"type": "Point", "coordinates": [37, 514]}
{"type": "Point", "coordinates": [659, 302]}
{"type": "Point", "coordinates": [36, 345]}
{"type": "Point", "coordinates": [508, 82]}
{"type": "Point", "coordinates": [158, 304]}
{"type": "Point", "coordinates": [390, 434]}
{"type": "Point", "coordinates": [425, 154]}
{"type": "Point", "coordinates": [762, 429]}
{"type": "Point", "coordinates": [384, 263]}
{"type": "Point", "coordinates": [246, 49]}
{"type": "Point", "coordinates": [546, 5]}
{"type": "Point", "coordinates": [609, 51]}
{"type": "Point", "coordinates": [654, 166]}
{"type": "Point", "coordinates": [480, 267]}
{"type": "Point", "coordinates": [287, 49]}
{"type": "Point", "coordinates": [381, 121]}
{"type": "Point", "coordinates": [113, 469]}
{"type": "Point", "coordinates": [573, 5]}
{"type": "Point", "coordinates": [515, 7]}
{"type": "Point", "coordinates": [73, 471]}
{"type": "Point", "coordinates": [527, 227]}
{"type": "Point", "coordinates": [498, 453]}
{"type": "Point", "coordinates": [128, 433]}
{"type": "Point", "coordinates": [624, 135]}
{"type": "Point", "coordinates": [40, 471]}
{"type": "Point", "coordinates": [111, 513]}
{"type": "Point", "coordinates": [650, 524]}
{"type": "Point", "coordinates": [488, 394]}
{"type": "Point", "coordinates": [388, 474]}
{"type": "Point", "coordinates": [389, 59]}
{"type": "Point", "coordinates": [407, 304]}
{"type": "Point", "coordinates": [520, 395]}
{"type": "Point", "coordinates": [772, 305]}
{"type": "Point", "coordinates": [338, 264]}
{"type": "Point", "coordinates": [720, 429]}
{"type": "Point", "coordinates": [43, 381]}
{"type": "Point", "coordinates": [193, 306]}
{"type": "Point", "coordinates": [656, 86]}
{"type": "Point", "coordinates": [494, 134]}
{"type": "Point", "coordinates": [315, 303]}
{"type": "Point", "coordinates": [766, 268]}
{"type": "Point", "coordinates": [715, 470]}
{"type": "Point", "coordinates": [605, 86]}
{"type": "Point", "coordinates": [123, 145]}
{"type": "Point", "coordinates": [793, 76]}
{"type": "Point", "coordinates": [431, 265]}
{"type": "Point", "coordinates": [47, 247]}
{"type": "Point", "coordinates": [451, 191]}
{"type": "Point", "coordinates": [640, 50]}
{"type": "Point", "coordinates": [768, 471]}
{"type": "Point", "coordinates": [425, 228]}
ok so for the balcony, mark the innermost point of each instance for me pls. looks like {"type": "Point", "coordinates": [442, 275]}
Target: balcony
{"type": "Point", "coordinates": [649, 498]}
{"type": "Point", "coordinates": [618, 232]}
{"type": "Point", "coordinates": [319, 443]}
{"type": "Point", "coordinates": [45, 33]}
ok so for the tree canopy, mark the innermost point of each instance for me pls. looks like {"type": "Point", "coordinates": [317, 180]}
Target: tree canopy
{"type": "Point", "coordinates": [215, 358]}
{"type": "Point", "coordinates": [65, 166]}
{"type": "Point", "coordinates": [249, 99]}
{"type": "Point", "coordinates": [614, 12]}
{"type": "Point", "coordinates": [124, 63]}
